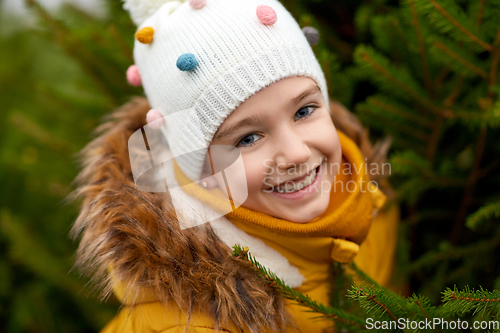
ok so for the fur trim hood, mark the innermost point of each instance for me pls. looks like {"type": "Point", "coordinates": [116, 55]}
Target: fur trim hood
{"type": "Point", "coordinates": [137, 234]}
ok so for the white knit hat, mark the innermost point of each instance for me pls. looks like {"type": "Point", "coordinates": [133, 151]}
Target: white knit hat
{"type": "Point", "coordinates": [207, 57]}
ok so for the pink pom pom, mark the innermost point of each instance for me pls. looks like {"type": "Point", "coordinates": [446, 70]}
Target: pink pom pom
{"type": "Point", "coordinates": [266, 15]}
{"type": "Point", "coordinates": [133, 76]}
{"type": "Point", "coordinates": [154, 118]}
{"type": "Point", "coordinates": [197, 4]}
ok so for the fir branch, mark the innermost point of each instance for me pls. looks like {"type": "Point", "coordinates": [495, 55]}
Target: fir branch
{"type": "Point", "coordinates": [422, 309]}
{"type": "Point", "coordinates": [421, 49]}
{"type": "Point", "coordinates": [489, 17]}
{"type": "Point", "coordinates": [368, 298]}
{"type": "Point", "coordinates": [399, 110]}
{"type": "Point", "coordinates": [456, 20]}
{"type": "Point", "coordinates": [423, 215]}
{"type": "Point", "coordinates": [438, 82]}
{"type": "Point", "coordinates": [452, 97]}
{"type": "Point", "coordinates": [480, 145]}
{"type": "Point", "coordinates": [400, 140]}
{"type": "Point", "coordinates": [472, 37]}
{"type": "Point", "coordinates": [412, 189]}
{"type": "Point", "coordinates": [471, 182]}
{"type": "Point", "coordinates": [368, 113]}
{"type": "Point", "coordinates": [369, 280]}
{"type": "Point", "coordinates": [124, 47]}
{"type": "Point", "coordinates": [471, 119]}
{"type": "Point", "coordinates": [422, 303]}
{"type": "Point", "coordinates": [460, 302]}
{"type": "Point", "coordinates": [494, 64]}
{"type": "Point", "coordinates": [410, 163]}
{"type": "Point", "coordinates": [468, 267]}
{"type": "Point", "coordinates": [373, 299]}
{"type": "Point", "coordinates": [38, 133]}
{"type": "Point", "coordinates": [433, 257]}
{"type": "Point", "coordinates": [290, 293]}
{"type": "Point", "coordinates": [436, 131]}
{"type": "Point", "coordinates": [398, 126]}
{"type": "Point", "coordinates": [95, 66]}
{"type": "Point", "coordinates": [386, 29]}
{"type": "Point", "coordinates": [384, 73]}
{"type": "Point", "coordinates": [482, 214]}
{"type": "Point", "coordinates": [471, 299]}
{"type": "Point", "coordinates": [480, 13]}
{"type": "Point", "coordinates": [460, 59]}
{"type": "Point", "coordinates": [434, 138]}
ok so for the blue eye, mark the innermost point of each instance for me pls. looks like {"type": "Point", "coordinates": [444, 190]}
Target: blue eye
{"type": "Point", "coordinates": [302, 114]}
{"type": "Point", "coordinates": [247, 141]}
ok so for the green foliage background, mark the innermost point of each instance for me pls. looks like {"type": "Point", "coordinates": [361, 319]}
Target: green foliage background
{"type": "Point", "coordinates": [60, 78]}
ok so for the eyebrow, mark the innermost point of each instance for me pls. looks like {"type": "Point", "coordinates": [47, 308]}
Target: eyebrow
{"type": "Point", "coordinates": [308, 92]}
{"type": "Point", "coordinates": [249, 121]}
{"type": "Point", "coordinates": [254, 120]}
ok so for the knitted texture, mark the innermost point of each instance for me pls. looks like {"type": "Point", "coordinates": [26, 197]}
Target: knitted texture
{"type": "Point", "coordinates": [236, 56]}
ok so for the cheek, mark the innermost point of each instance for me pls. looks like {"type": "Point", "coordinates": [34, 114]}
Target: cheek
{"type": "Point", "coordinates": [255, 174]}
{"type": "Point", "coordinates": [336, 149]}
{"type": "Point", "coordinates": [324, 137]}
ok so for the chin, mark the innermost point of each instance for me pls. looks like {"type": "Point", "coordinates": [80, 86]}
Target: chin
{"type": "Point", "coordinates": [306, 218]}
{"type": "Point", "coordinates": [294, 212]}
{"type": "Point", "coordinates": [305, 214]}
{"type": "Point", "coordinates": [302, 220]}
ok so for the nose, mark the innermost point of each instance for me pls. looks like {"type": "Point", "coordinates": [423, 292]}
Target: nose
{"type": "Point", "coordinates": [292, 150]}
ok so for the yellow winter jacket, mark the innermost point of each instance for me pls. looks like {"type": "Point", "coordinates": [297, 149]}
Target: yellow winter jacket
{"type": "Point", "coordinates": [345, 231]}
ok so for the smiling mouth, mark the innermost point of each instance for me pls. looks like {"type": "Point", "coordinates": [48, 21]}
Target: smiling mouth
{"type": "Point", "coordinates": [291, 186]}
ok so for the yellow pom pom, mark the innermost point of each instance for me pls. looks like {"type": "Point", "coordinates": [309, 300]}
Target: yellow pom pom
{"type": "Point", "coordinates": [145, 35]}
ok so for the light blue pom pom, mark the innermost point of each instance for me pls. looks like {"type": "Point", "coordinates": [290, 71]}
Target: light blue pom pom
{"type": "Point", "coordinates": [187, 62]}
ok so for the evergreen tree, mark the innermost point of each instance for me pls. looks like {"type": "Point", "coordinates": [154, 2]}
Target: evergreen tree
{"type": "Point", "coordinates": [435, 66]}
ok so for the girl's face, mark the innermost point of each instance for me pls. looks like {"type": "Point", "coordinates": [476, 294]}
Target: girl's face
{"type": "Point", "coordinates": [284, 132]}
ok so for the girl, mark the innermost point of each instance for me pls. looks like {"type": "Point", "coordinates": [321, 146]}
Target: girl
{"type": "Point", "coordinates": [240, 74]}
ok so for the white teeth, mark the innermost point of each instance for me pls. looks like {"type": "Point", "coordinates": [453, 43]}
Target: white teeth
{"type": "Point", "coordinates": [293, 187]}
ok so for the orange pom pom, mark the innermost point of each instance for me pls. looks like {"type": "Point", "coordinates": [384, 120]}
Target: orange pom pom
{"type": "Point", "coordinates": [145, 35]}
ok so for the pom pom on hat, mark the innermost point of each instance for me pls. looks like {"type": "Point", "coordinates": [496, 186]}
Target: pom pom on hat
{"type": "Point", "coordinates": [133, 76]}
{"type": "Point", "coordinates": [187, 62]}
{"type": "Point", "coordinates": [197, 4]}
{"type": "Point", "coordinates": [311, 34]}
{"type": "Point", "coordinates": [154, 118]}
{"type": "Point", "coordinates": [145, 35]}
{"type": "Point", "coordinates": [266, 15]}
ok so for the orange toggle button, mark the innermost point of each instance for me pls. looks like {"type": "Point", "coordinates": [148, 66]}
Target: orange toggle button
{"type": "Point", "coordinates": [343, 250]}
